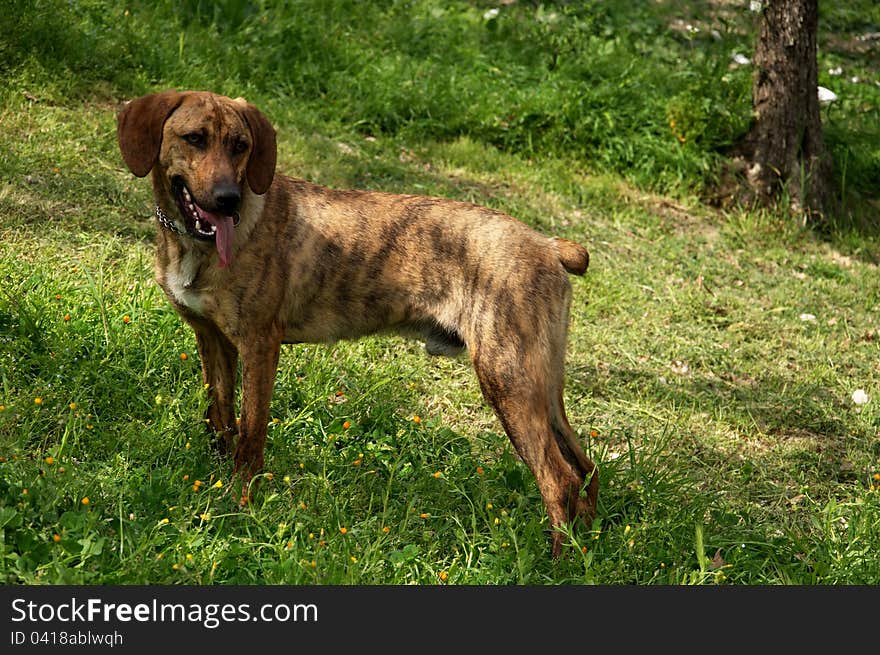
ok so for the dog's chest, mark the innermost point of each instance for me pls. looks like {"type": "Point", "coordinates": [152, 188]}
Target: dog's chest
{"type": "Point", "coordinates": [180, 278]}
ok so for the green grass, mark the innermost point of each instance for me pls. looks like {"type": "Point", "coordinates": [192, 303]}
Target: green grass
{"type": "Point", "coordinates": [720, 414]}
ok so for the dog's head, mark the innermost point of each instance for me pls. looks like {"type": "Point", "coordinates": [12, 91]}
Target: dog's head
{"type": "Point", "coordinates": [204, 150]}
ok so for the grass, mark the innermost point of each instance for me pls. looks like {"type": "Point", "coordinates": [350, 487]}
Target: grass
{"type": "Point", "coordinates": [713, 354]}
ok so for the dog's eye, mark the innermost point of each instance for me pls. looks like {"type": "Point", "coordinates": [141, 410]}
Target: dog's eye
{"type": "Point", "coordinates": [239, 147]}
{"type": "Point", "coordinates": [195, 139]}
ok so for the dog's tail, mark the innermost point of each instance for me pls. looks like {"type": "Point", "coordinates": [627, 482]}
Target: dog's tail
{"type": "Point", "coordinates": [574, 257]}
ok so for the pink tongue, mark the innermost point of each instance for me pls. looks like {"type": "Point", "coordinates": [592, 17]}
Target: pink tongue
{"type": "Point", "coordinates": [224, 227]}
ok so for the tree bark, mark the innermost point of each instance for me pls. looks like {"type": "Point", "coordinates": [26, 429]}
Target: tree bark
{"type": "Point", "coordinates": [784, 148]}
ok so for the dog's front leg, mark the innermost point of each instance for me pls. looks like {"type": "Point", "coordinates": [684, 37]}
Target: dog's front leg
{"type": "Point", "coordinates": [219, 369]}
{"type": "Point", "coordinates": [259, 361]}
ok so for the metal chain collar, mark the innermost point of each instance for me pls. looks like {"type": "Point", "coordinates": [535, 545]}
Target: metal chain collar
{"type": "Point", "coordinates": [165, 221]}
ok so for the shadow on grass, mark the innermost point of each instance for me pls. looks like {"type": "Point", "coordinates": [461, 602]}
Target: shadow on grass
{"type": "Point", "coordinates": [771, 406]}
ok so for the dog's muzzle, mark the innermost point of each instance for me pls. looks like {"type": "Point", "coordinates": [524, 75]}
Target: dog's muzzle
{"type": "Point", "coordinates": [202, 224]}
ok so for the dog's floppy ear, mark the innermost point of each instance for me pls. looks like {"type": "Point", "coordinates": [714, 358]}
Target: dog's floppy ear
{"type": "Point", "coordinates": [261, 165]}
{"type": "Point", "coordinates": [139, 129]}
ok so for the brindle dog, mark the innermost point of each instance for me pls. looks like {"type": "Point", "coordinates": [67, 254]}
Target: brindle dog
{"type": "Point", "coordinates": [251, 260]}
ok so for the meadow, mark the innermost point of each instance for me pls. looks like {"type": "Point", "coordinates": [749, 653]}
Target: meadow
{"type": "Point", "coordinates": [723, 365]}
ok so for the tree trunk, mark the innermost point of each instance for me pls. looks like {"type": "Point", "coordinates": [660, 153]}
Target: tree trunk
{"type": "Point", "coordinates": [784, 149]}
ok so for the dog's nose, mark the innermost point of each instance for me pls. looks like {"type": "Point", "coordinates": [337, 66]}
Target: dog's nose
{"type": "Point", "coordinates": [227, 197]}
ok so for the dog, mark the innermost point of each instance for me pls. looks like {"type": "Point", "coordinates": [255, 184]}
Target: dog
{"type": "Point", "coordinates": [251, 259]}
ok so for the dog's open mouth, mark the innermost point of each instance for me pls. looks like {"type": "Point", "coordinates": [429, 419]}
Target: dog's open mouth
{"type": "Point", "coordinates": [205, 225]}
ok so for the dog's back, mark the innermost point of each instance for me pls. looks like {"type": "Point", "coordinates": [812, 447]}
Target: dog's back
{"type": "Point", "coordinates": [389, 261]}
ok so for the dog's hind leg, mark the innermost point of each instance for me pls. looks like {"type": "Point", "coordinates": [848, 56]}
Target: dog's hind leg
{"type": "Point", "coordinates": [530, 414]}
{"type": "Point", "coordinates": [566, 438]}
{"type": "Point", "coordinates": [571, 450]}
{"type": "Point", "coordinates": [219, 369]}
